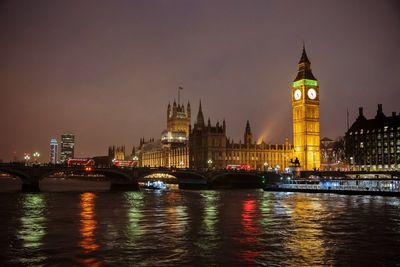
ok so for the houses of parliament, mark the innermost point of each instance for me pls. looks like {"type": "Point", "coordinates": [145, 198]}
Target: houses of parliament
{"type": "Point", "coordinates": [206, 146]}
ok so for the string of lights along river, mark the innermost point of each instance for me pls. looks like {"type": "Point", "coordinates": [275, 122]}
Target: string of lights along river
{"type": "Point", "coordinates": [198, 228]}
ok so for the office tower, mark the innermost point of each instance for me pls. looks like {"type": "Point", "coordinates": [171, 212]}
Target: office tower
{"type": "Point", "coordinates": [67, 147]}
{"type": "Point", "coordinates": [53, 151]}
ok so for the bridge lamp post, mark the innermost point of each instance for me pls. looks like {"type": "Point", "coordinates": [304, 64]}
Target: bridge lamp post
{"type": "Point", "coordinates": [36, 155]}
{"type": "Point", "coordinates": [27, 158]}
{"type": "Point", "coordinates": [351, 163]}
{"type": "Point", "coordinates": [277, 168]}
{"type": "Point", "coordinates": [135, 161]}
{"type": "Point", "coordinates": [265, 166]}
{"type": "Point", "coordinates": [210, 162]}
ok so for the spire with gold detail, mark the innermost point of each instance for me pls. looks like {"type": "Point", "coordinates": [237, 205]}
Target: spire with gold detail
{"type": "Point", "coordinates": [304, 68]}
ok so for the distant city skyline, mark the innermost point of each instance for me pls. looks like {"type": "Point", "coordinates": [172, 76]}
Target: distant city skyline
{"type": "Point", "coordinates": [105, 71]}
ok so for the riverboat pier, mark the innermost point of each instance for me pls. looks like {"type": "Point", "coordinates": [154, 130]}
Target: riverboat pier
{"type": "Point", "coordinates": [349, 183]}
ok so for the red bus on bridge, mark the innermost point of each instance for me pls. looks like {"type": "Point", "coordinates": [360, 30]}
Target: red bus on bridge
{"type": "Point", "coordinates": [80, 162]}
{"type": "Point", "coordinates": [241, 167]}
{"type": "Point", "coordinates": [124, 163]}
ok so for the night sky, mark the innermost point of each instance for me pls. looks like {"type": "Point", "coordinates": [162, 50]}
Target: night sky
{"type": "Point", "coordinates": [106, 70]}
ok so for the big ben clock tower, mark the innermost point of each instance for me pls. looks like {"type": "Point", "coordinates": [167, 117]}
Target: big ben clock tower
{"type": "Point", "coordinates": [305, 104]}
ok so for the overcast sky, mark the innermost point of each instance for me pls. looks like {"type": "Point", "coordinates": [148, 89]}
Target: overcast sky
{"type": "Point", "coordinates": [106, 70]}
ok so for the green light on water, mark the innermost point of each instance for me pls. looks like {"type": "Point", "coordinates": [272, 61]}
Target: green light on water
{"type": "Point", "coordinates": [32, 221]}
{"type": "Point", "coordinates": [305, 82]}
{"type": "Point", "coordinates": [207, 242]}
{"type": "Point", "coordinates": [32, 229]}
{"type": "Point", "coordinates": [134, 203]}
{"type": "Point", "coordinates": [210, 200]}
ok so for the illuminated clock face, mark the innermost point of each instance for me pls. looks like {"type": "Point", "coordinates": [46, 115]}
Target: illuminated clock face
{"type": "Point", "coordinates": [312, 94]}
{"type": "Point", "coordinates": [297, 94]}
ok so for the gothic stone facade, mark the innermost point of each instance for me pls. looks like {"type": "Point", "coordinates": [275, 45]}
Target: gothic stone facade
{"type": "Point", "coordinates": [209, 148]}
{"type": "Point", "coordinates": [172, 149]}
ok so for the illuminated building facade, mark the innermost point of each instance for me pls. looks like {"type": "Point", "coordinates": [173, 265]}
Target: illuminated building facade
{"type": "Point", "coordinates": [116, 152]}
{"type": "Point", "coordinates": [53, 151]}
{"type": "Point", "coordinates": [206, 146]}
{"type": "Point", "coordinates": [374, 144]}
{"type": "Point", "coordinates": [157, 154]}
{"type": "Point", "coordinates": [67, 147]}
{"type": "Point", "coordinates": [210, 148]}
{"type": "Point", "coordinates": [178, 123]}
{"type": "Point", "coordinates": [306, 125]}
{"type": "Point", "coordinates": [172, 149]}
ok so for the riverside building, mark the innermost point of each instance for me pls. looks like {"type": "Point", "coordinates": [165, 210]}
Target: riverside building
{"type": "Point", "coordinates": [210, 148]}
{"type": "Point", "coordinates": [207, 146]}
{"type": "Point", "coordinates": [172, 149]}
{"type": "Point", "coordinates": [374, 144]}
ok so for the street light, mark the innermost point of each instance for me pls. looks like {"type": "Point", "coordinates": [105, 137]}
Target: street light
{"type": "Point", "coordinates": [209, 163]}
{"type": "Point", "coordinates": [27, 158]}
{"type": "Point", "coordinates": [351, 163]}
{"type": "Point", "coordinates": [265, 166]}
{"type": "Point", "coordinates": [36, 155]}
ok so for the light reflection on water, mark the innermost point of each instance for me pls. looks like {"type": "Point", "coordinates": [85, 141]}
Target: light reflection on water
{"type": "Point", "coordinates": [249, 231]}
{"type": "Point", "coordinates": [134, 204]}
{"type": "Point", "coordinates": [87, 230]}
{"type": "Point", "coordinates": [200, 228]}
{"type": "Point", "coordinates": [207, 239]}
{"type": "Point", "coordinates": [32, 229]}
{"type": "Point", "coordinates": [307, 239]}
{"type": "Point", "coordinates": [210, 212]}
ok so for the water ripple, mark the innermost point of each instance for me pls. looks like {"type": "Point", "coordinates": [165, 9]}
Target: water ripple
{"type": "Point", "coordinates": [199, 228]}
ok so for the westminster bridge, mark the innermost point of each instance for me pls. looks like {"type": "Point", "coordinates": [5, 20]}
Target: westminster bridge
{"type": "Point", "coordinates": [128, 178]}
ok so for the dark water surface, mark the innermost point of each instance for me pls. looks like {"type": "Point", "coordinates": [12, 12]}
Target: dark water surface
{"type": "Point", "coordinates": [198, 228]}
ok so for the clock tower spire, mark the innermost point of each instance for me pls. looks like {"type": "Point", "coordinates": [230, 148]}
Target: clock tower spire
{"type": "Point", "coordinates": [305, 105]}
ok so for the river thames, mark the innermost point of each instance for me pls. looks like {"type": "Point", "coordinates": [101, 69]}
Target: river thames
{"type": "Point", "coordinates": [198, 228]}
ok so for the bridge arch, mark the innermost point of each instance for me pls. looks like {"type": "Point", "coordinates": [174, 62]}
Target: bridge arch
{"type": "Point", "coordinates": [191, 179]}
{"type": "Point", "coordinates": [185, 178]}
{"type": "Point", "coordinates": [23, 175]}
{"type": "Point", "coordinates": [31, 175]}
{"type": "Point", "coordinates": [235, 179]}
{"type": "Point", "coordinates": [161, 176]}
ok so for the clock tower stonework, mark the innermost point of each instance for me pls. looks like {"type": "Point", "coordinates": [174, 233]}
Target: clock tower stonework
{"type": "Point", "coordinates": [306, 126]}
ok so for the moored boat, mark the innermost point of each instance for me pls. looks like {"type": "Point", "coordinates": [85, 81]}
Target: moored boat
{"type": "Point", "coordinates": [388, 187]}
{"type": "Point", "coordinates": [155, 185]}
